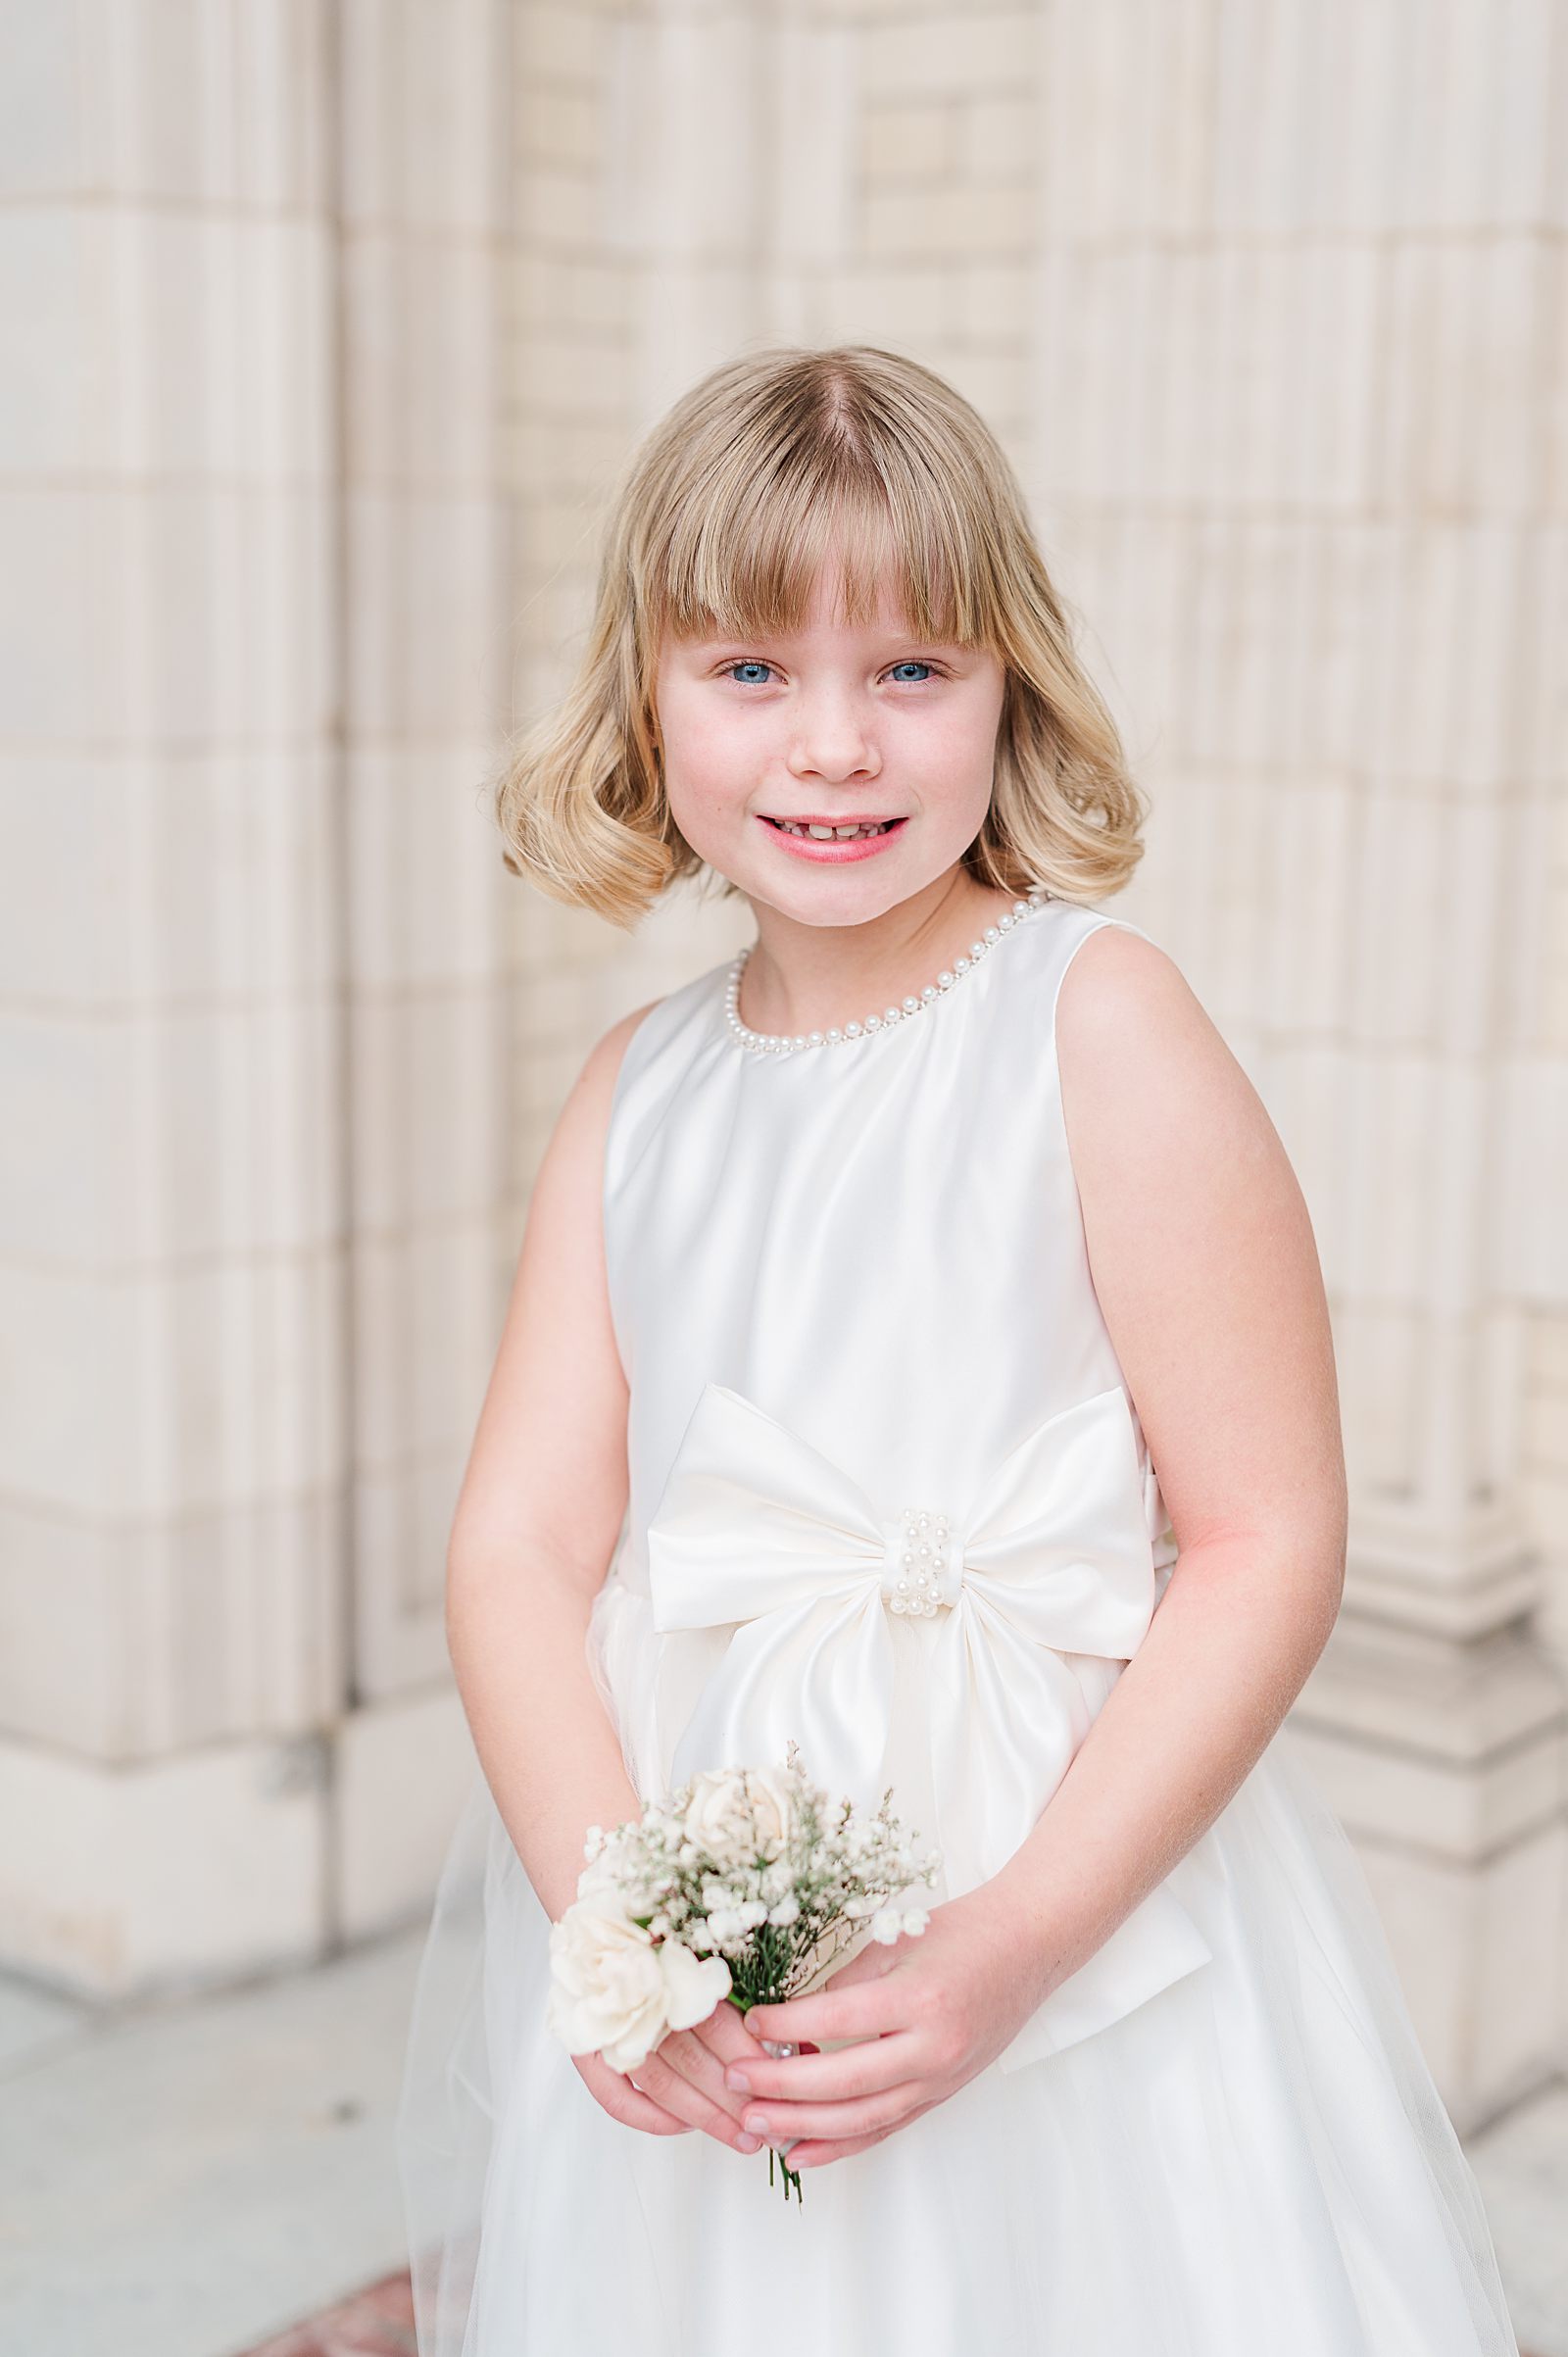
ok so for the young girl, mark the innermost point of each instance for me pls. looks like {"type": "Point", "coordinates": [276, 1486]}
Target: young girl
{"type": "Point", "coordinates": [942, 1195]}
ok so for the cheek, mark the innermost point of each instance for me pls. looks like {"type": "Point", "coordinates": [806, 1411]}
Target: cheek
{"type": "Point", "coordinates": [710, 754]}
{"type": "Point", "coordinates": [953, 751]}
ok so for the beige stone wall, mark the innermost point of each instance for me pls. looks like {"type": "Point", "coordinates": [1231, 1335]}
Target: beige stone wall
{"type": "Point", "coordinates": [345, 316]}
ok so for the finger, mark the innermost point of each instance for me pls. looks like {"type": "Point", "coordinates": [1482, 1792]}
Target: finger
{"type": "Point", "coordinates": [890, 2107]}
{"type": "Point", "coordinates": [615, 2094]}
{"type": "Point", "coordinates": [725, 2035]}
{"type": "Point", "coordinates": [702, 2068]}
{"type": "Point", "coordinates": [814, 2152]}
{"type": "Point", "coordinates": [815, 2078]}
{"type": "Point", "coordinates": [677, 2094]}
{"type": "Point", "coordinates": [858, 2011]}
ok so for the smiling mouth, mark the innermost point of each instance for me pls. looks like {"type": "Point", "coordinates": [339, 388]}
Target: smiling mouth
{"type": "Point", "coordinates": [821, 832]}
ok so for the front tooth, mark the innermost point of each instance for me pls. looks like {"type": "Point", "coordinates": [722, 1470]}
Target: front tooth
{"type": "Point", "coordinates": [832, 834]}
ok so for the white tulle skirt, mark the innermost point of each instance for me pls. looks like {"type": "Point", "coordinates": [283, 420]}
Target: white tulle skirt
{"type": "Point", "coordinates": [1254, 2160]}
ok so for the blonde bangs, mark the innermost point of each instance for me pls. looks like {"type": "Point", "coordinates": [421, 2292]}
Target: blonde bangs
{"type": "Point", "coordinates": [773, 468]}
{"type": "Point", "coordinates": [784, 507]}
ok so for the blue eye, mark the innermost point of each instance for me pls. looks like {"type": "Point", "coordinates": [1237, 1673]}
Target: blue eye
{"type": "Point", "coordinates": [913, 664]}
{"type": "Point", "coordinates": [747, 665]}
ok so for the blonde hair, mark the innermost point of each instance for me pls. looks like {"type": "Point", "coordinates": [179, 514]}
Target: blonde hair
{"type": "Point", "coordinates": [720, 525]}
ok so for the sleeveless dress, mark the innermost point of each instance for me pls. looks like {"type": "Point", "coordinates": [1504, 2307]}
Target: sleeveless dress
{"type": "Point", "coordinates": [847, 1282]}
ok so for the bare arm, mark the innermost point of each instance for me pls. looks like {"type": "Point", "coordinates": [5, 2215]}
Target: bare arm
{"type": "Point", "coordinates": [539, 1510]}
{"type": "Point", "coordinates": [1204, 1261]}
{"type": "Point", "coordinates": [536, 1521]}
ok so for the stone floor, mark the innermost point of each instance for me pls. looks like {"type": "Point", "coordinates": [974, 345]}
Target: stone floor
{"type": "Point", "coordinates": [214, 2178]}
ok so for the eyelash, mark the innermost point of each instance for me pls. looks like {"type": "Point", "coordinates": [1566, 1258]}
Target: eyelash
{"type": "Point", "coordinates": [742, 662]}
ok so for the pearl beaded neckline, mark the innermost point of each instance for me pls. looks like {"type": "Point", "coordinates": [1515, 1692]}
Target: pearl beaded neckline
{"type": "Point", "coordinates": [784, 1043]}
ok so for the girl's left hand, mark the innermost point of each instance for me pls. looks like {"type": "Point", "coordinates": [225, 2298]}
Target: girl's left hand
{"type": "Point", "coordinates": [933, 2009]}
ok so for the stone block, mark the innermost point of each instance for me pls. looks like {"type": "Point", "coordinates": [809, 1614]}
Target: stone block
{"type": "Point", "coordinates": [121, 1884]}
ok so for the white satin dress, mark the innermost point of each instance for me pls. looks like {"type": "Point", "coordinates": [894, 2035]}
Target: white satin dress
{"type": "Point", "coordinates": [848, 1281]}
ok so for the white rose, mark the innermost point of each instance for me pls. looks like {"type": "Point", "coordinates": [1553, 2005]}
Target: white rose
{"type": "Point", "coordinates": [772, 1808]}
{"type": "Point", "coordinates": [716, 1811]}
{"type": "Point", "coordinates": [734, 1813]}
{"type": "Point", "coordinates": [616, 1992]}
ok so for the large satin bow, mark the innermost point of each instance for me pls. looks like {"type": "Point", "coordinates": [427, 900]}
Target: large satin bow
{"type": "Point", "coordinates": [759, 1531]}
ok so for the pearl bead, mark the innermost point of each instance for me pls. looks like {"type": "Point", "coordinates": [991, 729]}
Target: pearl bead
{"type": "Point", "coordinates": [778, 1042]}
{"type": "Point", "coordinates": [916, 1591]}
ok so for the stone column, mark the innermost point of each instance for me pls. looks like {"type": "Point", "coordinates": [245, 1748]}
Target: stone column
{"type": "Point", "coordinates": [1298, 378]}
{"type": "Point", "coordinates": [173, 1432]}
{"type": "Point", "coordinates": [252, 973]}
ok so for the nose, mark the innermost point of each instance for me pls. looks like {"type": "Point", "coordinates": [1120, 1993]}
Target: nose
{"type": "Point", "coordinates": [831, 741]}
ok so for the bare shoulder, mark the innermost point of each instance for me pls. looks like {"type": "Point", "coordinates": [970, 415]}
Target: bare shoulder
{"type": "Point", "coordinates": [1125, 998]}
{"type": "Point", "coordinates": [1141, 1061]}
{"type": "Point", "coordinates": [547, 1471]}
{"type": "Point", "coordinates": [581, 1127]}
{"type": "Point", "coordinates": [601, 1064]}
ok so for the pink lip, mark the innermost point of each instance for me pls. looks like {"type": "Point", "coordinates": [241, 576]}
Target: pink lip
{"type": "Point", "coordinates": [834, 854]}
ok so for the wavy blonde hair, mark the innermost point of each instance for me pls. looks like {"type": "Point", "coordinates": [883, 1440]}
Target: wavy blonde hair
{"type": "Point", "coordinates": [720, 525]}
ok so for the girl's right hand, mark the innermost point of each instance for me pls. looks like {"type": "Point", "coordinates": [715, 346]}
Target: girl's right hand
{"type": "Point", "coordinates": [615, 2093]}
{"type": "Point", "coordinates": [681, 2085]}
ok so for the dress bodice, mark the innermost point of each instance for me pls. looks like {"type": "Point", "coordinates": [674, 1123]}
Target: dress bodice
{"type": "Point", "coordinates": [888, 1491]}
{"type": "Point", "coordinates": [877, 1241]}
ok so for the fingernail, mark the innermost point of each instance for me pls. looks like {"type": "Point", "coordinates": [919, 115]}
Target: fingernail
{"type": "Point", "coordinates": [756, 2126]}
{"type": "Point", "coordinates": [745, 2144]}
{"type": "Point", "coordinates": [739, 2082]}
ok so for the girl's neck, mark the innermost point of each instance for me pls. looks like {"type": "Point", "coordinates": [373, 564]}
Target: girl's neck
{"type": "Point", "coordinates": [800, 977]}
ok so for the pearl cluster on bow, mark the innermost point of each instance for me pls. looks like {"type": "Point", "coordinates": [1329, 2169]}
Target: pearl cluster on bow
{"type": "Point", "coordinates": [782, 1043]}
{"type": "Point", "coordinates": [917, 1587]}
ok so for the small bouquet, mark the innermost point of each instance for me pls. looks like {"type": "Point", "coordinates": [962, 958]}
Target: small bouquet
{"type": "Point", "coordinates": [743, 1883]}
